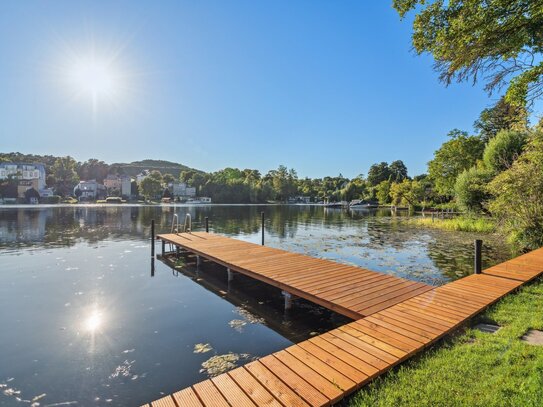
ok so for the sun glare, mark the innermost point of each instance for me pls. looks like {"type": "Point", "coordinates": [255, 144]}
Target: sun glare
{"type": "Point", "coordinates": [93, 322]}
{"type": "Point", "coordinates": [94, 77]}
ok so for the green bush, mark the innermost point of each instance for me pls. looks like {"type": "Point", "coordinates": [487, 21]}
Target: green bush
{"type": "Point", "coordinates": [471, 189]}
{"type": "Point", "coordinates": [518, 192]}
{"type": "Point", "coordinates": [503, 150]}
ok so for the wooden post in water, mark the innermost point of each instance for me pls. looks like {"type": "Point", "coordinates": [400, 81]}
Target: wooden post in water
{"type": "Point", "coordinates": [207, 224]}
{"type": "Point", "coordinates": [152, 238]}
{"type": "Point", "coordinates": [262, 216]}
{"type": "Point", "coordinates": [163, 247]}
{"type": "Point", "coordinates": [478, 258]}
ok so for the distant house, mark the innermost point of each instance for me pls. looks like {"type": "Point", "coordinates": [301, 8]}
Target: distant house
{"type": "Point", "coordinates": [181, 189]}
{"type": "Point", "coordinates": [90, 190]}
{"type": "Point", "coordinates": [142, 175]}
{"type": "Point", "coordinates": [112, 182]}
{"type": "Point", "coordinates": [122, 183]}
{"type": "Point", "coordinates": [27, 176]}
{"type": "Point", "coordinates": [126, 185]}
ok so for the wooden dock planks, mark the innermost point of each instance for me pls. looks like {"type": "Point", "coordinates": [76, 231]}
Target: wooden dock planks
{"type": "Point", "coordinates": [326, 368]}
{"type": "Point", "coordinates": [348, 290]}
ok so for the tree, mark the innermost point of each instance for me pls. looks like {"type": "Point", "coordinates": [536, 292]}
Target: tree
{"type": "Point", "coordinates": [518, 196]}
{"type": "Point", "coordinates": [454, 156]}
{"type": "Point", "coordinates": [355, 189]}
{"type": "Point", "coordinates": [378, 173]}
{"type": "Point", "coordinates": [150, 187]}
{"type": "Point", "coordinates": [383, 192]}
{"type": "Point", "coordinates": [168, 179]}
{"type": "Point", "coordinates": [93, 169]}
{"type": "Point", "coordinates": [398, 171]}
{"type": "Point", "coordinates": [501, 116]}
{"type": "Point", "coordinates": [503, 150]}
{"type": "Point", "coordinates": [284, 182]}
{"type": "Point", "coordinates": [471, 189]}
{"type": "Point", "coordinates": [494, 39]}
{"type": "Point", "coordinates": [64, 171]}
{"type": "Point", "coordinates": [407, 192]}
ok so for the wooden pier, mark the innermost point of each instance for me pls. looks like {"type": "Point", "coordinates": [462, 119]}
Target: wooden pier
{"type": "Point", "coordinates": [394, 319]}
{"type": "Point", "coordinates": [348, 290]}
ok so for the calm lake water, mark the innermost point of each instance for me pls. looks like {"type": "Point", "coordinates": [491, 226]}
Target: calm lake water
{"type": "Point", "coordinates": [84, 322]}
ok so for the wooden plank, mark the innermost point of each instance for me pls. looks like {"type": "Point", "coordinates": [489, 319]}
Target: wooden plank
{"type": "Point", "coordinates": [296, 382]}
{"type": "Point", "coordinates": [187, 398]}
{"type": "Point", "coordinates": [209, 394]}
{"type": "Point", "coordinates": [358, 364]}
{"type": "Point", "coordinates": [352, 373]}
{"type": "Point", "coordinates": [274, 385]}
{"type": "Point", "coordinates": [322, 384]}
{"type": "Point", "coordinates": [231, 391]}
{"type": "Point", "coordinates": [323, 368]}
{"type": "Point", "coordinates": [357, 332]}
{"type": "Point", "coordinates": [253, 388]}
{"type": "Point", "coordinates": [164, 402]}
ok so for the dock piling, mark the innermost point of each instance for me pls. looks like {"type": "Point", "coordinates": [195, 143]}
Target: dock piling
{"type": "Point", "coordinates": [262, 218]}
{"type": "Point", "coordinates": [288, 300]}
{"type": "Point", "coordinates": [207, 224]}
{"type": "Point", "coordinates": [478, 258]}
{"type": "Point", "coordinates": [152, 238]}
{"type": "Point", "coordinates": [163, 247]}
{"type": "Point", "coordinates": [230, 274]}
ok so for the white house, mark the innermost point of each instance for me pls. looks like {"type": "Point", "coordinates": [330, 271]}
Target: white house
{"type": "Point", "coordinates": [90, 190]}
{"type": "Point", "coordinates": [126, 185]}
{"type": "Point", "coordinates": [181, 189]}
{"type": "Point", "coordinates": [27, 176]}
{"type": "Point", "coordinates": [142, 175]}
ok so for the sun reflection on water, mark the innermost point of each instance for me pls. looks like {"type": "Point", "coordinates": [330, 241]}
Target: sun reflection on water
{"type": "Point", "coordinates": [94, 321]}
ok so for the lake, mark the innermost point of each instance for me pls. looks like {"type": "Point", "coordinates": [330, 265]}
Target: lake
{"type": "Point", "coordinates": [86, 319]}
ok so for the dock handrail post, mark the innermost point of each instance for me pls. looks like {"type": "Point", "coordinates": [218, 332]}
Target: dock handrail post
{"type": "Point", "coordinates": [262, 218]}
{"type": "Point", "coordinates": [207, 224]}
{"type": "Point", "coordinates": [478, 258]}
{"type": "Point", "coordinates": [152, 238]}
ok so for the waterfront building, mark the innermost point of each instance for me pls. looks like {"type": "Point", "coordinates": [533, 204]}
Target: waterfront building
{"type": "Point", "coordinates": [90, 190]}
{"type": "Point", "coordinates": [27, 176]}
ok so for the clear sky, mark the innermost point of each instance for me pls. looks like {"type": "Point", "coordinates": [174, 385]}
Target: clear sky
{"type": "Point", "coordinates": [326, 87]}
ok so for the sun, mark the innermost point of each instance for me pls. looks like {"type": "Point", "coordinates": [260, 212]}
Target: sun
{"type": "Point", "coordinates": [94, 77]}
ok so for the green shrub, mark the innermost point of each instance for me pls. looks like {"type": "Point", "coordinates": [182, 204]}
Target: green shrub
{"type": "Point", "coordinates": [518, 192]}
{"type": "Point", "coordinates": [471, 189]}
{"type": "Point", "coordinates": [503, 150]}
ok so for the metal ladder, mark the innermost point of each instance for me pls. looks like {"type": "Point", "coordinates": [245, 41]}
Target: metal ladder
{"type": "Point", "coordinates": [187, 226]}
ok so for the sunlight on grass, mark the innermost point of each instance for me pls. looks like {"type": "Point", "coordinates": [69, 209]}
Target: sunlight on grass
{"type": "Point", "coordinates": [462, 224]}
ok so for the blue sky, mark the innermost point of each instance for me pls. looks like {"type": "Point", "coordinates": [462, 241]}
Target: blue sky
{"type": "Point", "coordinates": [325, 87]}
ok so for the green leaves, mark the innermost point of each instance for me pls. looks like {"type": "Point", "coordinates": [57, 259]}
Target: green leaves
{"type": "Point", "coordinates": [498, 40]}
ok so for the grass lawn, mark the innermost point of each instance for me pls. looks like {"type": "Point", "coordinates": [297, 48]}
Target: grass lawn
{"type": "Point", "coordinates": [461, 223]}
{"type": "Point", "coordinates": [473, 368]}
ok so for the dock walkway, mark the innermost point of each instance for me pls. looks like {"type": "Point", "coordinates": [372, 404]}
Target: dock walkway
{"type": "Point", "coordinates": [348, 290]}
{"type": "Point", "coordinates": [324, 369]}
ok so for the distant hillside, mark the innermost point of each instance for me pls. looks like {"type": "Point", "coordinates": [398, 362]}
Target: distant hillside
{"type": "Point", "coordinates": [165, 167]}
{"type": "Point", "coordinates": [132, 169]}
